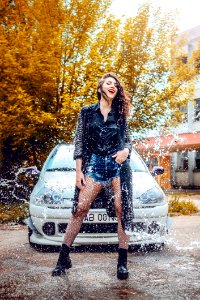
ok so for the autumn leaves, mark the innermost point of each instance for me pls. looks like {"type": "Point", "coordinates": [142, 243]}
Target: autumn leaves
{"type": "Point", "coordinates": [53, 53]}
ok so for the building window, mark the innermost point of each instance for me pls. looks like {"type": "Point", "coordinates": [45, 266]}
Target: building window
{"type": "Point", "coordinates": [183, 161]}
{"type": "Point", "coordinates": [184, 111]}
{"type": "Point", "coordinates": [151, 162]}
{"type": "Point", "coordinates": [154, 162]}
{"type": "Point", "coordinates": [197, 160]}
{"type": "Point", "coordinates": [197, 110]}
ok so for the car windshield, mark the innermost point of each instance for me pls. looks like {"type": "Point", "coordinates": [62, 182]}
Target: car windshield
{"type": "Point", "coordinates": [137, 164]}
{"type": "Point", "coordinates": [61, 159]}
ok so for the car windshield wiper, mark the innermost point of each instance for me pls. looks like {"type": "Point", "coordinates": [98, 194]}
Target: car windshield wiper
{"type": "Point", "coordinates": [135, 170]}
{"type": "Point", "coordinates": [61, 169]}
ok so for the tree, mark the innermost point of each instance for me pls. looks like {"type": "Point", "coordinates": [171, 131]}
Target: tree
{"type": "Point", "coordinates": [53, 53]}
{"type": "Point", "coordinates": [150, 65]}
{"type": "Point", "coordinates": [43, 45]}
{"type": "Point", "coordinates": [28, 72]}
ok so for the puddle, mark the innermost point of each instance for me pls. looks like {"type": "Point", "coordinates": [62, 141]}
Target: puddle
{"type": "Point", "coordinates": [129, 293]}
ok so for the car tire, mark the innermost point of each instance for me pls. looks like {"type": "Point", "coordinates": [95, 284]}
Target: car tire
{"type": "Point", "coordinates": [41, 248]}
{"type": "Point", "coordinates": [155, 247]}
{"type": "Point", "coordinates": [147, 247]}
{"type": "Point", "coordinates": [30, 231]}
{"type": "Point", "coordinates": [135, 248]}
{"type": "Point", "coordinates": [33, 245]}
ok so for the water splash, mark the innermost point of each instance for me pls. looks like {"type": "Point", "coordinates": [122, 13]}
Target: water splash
{"type": "Point", "coordinates": [16, 189]}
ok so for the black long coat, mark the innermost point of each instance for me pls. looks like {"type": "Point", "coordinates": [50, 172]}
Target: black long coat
{"type": "Point", "coordinates": [82, 150]}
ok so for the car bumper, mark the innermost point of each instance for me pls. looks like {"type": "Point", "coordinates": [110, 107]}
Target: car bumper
{"type": "Point", "coordinates": [151, 225]}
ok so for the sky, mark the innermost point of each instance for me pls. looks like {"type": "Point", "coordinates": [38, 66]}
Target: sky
{"type": "Point", "coordinates": [188, 10]}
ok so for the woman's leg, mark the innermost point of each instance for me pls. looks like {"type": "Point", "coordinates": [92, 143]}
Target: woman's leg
{"type": "Point", "coordinates": [123, 238]}
{"type": "Point", "coordinates": [122, 270]}
{"type": "Point", "coordinates": [86, 197]}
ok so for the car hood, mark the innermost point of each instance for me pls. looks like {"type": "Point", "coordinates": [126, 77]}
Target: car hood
{"type": "Point", "coordinates": [60, 181]}
{"type": "Point", "coordinates": [65, 182]}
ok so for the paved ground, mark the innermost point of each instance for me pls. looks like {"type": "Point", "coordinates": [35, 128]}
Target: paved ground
{"type": "Point", "coordinates": [173, 273]}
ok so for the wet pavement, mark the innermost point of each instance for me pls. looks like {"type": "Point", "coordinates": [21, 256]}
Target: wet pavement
{"type": "Point", "coordinates": [172, 273]}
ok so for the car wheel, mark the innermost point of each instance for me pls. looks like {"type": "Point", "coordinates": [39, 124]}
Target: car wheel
{"type": "Point", "coordinates": [41, 248]}
{"type": "Point", "coordinates": [33, 245]}
{"type": "Point", "coordinates": [30, 231]}
{"type": "Point", "coordinates": [146, 247]}
{"type": "Point", "coordinates": [135, 248]}
{"type": "Point", "coordinates": [155, 247]}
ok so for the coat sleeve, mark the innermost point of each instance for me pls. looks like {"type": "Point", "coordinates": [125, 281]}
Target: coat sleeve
{"type": "Point", "coordinates": [127, 140]}
{"type": "Point", "coordinates": [78, 141]}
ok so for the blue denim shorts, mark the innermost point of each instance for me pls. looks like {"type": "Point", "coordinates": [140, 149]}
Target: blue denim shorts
{"type": "Point", "coordinates": [103, 168]}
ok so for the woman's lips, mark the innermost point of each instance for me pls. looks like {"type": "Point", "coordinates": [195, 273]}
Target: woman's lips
{"type": "Point", "coordinates": [111, 91]}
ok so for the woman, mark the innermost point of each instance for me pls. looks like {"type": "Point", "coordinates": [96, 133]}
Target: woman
{"type": "Point", "coordinates": [102, 146]}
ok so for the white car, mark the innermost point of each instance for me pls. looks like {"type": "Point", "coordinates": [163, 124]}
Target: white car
{"type": "Point", "coordinates": [52, 198]}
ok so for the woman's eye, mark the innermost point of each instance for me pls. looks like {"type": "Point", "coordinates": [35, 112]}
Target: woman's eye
{"type": "Point", "coordinates": [109, 83]}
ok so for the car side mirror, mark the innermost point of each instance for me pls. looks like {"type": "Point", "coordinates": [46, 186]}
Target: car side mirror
{"type": "Point", "coordinates": [157, 171]}
{"type": "Point", "coordinates": [28, 176]}
{"type": "Point", "coordinates": [33, 170]}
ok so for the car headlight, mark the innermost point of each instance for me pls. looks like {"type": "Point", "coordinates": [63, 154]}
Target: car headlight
{"type": "Point", "coordinates": [154, 195]}
{"type": "Point", "coordinates": [47, 196]}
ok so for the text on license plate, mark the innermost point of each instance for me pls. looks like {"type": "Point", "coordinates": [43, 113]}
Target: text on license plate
{"type": "Point", "coordinates": [99, 217]}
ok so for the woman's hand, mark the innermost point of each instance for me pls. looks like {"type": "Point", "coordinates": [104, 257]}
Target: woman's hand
{"type": "Point", "coordinates": [121, 155]}
{"type": "Point", "coordinates": [80, 180]}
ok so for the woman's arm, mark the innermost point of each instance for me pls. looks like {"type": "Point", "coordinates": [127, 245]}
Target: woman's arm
{"type": "Point", "coordinates": [78, 141]}
{"type": "Point", "coordinates": [127, 140]}
{"type": "Point", "coordinates": [78, 151]}
{"type": "Point", "coordinates": [80, 179]}
{"type": "Point", "coordinates": [122, 155]}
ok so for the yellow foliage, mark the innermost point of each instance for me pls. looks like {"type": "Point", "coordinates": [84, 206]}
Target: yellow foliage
{"type": "Point", "coordinates": [53, 53]}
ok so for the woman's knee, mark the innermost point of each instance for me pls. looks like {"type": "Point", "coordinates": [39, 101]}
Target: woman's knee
{"type": "Point", "coordinates": [81, 210]}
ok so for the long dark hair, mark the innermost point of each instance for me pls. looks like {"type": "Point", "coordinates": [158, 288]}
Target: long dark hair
{"type": "Point", "coordinates": [121, 102]}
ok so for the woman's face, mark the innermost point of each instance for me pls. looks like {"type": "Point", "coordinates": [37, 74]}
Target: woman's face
{"type": "Point", "coordinates": [110, 87]}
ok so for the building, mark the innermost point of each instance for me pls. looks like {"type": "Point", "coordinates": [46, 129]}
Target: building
{"type": "Point", "coordinates": [179, 153]}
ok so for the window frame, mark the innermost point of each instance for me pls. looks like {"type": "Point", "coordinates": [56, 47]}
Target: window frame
{"type": "Point", "coordinates": [197, 110]}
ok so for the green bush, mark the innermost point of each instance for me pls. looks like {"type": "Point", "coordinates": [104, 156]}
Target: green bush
{"type": "Point", "coordinates": [13, 212]}
{"type": "Point", "coordinates": [182, 207]}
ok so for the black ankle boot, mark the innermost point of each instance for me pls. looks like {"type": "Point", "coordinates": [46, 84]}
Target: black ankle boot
{"type": "Point", "coordinates": [122, 271]}
{"type": "Point", "coordinates": [64, 261]}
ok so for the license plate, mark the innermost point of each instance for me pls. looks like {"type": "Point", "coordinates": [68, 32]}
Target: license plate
{"type": "Point", "coordinates": [99, 218]}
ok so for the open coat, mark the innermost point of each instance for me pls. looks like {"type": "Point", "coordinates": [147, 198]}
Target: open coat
{"type": "Point", "coordinates": [82, 150]}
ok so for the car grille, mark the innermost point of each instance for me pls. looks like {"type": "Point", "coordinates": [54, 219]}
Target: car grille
{"type": "Point", "coordinates": [99, 228]}
{"type": "Point", "coordinates": [139, 227]}
{"type": "Point", "coordinates": [105, 228]}
{"type": "Point", "coordinates": [92, 228]}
